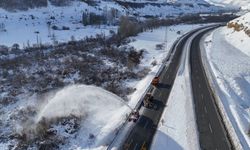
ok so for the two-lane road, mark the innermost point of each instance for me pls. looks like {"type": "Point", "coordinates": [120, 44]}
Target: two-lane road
{"type": "Point", "coordinates": [212, 132]}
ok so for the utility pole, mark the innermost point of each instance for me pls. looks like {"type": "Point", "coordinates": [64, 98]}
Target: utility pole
{"type": "Point", "coordinates": [37, 40]}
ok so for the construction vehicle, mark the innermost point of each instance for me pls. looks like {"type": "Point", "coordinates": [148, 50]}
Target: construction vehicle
{"type": "Point", "coordinates": [155, 81]}
{"type": "Point", "coordinates": [148, 100]}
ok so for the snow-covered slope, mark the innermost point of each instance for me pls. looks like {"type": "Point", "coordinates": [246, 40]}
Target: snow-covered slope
{"type": "Point", "coordinates": [243, 4]}
{"type": "Point", "coordinates": [54, 24]}
{"type": "Point", "coordinates": [228, 54]}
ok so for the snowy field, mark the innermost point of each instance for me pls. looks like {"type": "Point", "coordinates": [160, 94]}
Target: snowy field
{"type": "Point", "coordinates": [27, 28]}
{"type": "Point", "coordinates": [243, 4]}
{"type": "Point", "coordinates": [34, 26]}
{"type": "Point", "coordinates": [228, 56]}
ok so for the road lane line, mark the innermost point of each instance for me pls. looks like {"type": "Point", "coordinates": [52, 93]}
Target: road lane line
{"type": "Point", "coordinates": [205, 108]}
{"type": "Point", "coordinates": [199, 85]}
{"type": "Point", "coordinates": [210, 128]}
{"type": "Point", "coordinates": [202, 96]}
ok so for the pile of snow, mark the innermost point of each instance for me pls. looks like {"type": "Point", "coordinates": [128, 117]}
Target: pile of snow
{"type": "Point", "coordinates": [228, 56]}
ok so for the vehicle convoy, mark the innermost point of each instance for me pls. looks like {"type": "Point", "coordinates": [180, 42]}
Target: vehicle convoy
{"type": "Point", "coordinates": [155, 81]}
{"type": "Point", "coordinates": [148, 100]}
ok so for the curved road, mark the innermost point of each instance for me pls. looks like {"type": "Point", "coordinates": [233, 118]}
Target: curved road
{"type": "Point", "coordinates": [212, 134]}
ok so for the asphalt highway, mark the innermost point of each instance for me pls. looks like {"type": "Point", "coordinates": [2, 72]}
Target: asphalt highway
{"type": "Point", "coordinates": [212, 132]}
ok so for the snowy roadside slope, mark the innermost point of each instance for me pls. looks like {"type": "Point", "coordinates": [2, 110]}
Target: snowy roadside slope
{"type": "Point", "coordinates": [243, 4]}
{"type": "Point", "coordinates": [175, 8]}
{"type": "Point", "coordinates": [231, 79]}
{"type": "Point", "coordinates": [239, 33]}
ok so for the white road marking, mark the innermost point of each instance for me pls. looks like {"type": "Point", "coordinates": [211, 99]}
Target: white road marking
{"type": "Point", "coordinates": [210, 128]}
{"type": "Point", "coordinates": [201, 96]}
{"type": "Point", "coordinates": [199, 85]}
{"type": "Point", "coordinates": [205, 108]}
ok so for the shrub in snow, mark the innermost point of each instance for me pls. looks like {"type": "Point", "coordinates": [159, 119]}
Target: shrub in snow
{"type": "Point", "coordinates": [65, 28]}
{"type": "Point", "coordinates": [159, 46]}
{"type": "Point", "coordinates": [128, 27]}
{"type": "Point", "coordinates": [15, 46]}
{"type": "Point", "coordinates": [54, 27]}
{"type": "Point", "coordinates": [154, 63]}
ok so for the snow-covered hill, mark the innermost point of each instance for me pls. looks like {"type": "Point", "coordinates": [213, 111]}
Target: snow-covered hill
{"type": "Point", "coordinates": [243, 4]}
{"type": "Point", "coordinates": [53, 24]}
{"type": "Point", "coordinates": [229, 61]}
